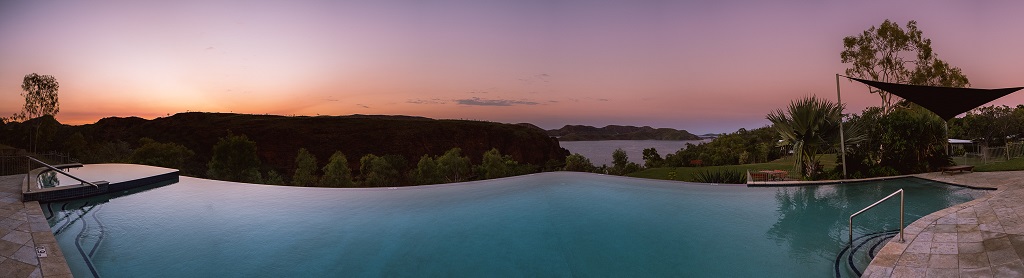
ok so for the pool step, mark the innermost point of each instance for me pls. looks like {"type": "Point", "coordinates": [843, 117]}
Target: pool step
{"type": "Point", "coordinates": [857, 255]}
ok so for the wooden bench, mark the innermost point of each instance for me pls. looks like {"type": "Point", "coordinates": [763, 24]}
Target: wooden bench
{"type": "Point", "coordinates": [958, 168]}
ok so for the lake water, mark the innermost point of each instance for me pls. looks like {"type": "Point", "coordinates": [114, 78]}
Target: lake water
{"type": "Point", "coordinates": [600, 152]}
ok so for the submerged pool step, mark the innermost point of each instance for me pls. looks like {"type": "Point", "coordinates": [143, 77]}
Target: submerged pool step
{"type": "Point", "coordinates": [863, 247]}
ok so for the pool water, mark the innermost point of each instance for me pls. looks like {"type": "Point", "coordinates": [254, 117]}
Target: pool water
{"type": "Point", "coordinates": [549, 224]}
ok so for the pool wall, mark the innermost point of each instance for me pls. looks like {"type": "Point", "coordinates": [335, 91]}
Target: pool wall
{"type": "Point", "coordinates": [32, 193]}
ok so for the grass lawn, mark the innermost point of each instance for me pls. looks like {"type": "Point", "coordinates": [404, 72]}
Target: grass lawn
{"type": "Point", "coordinates": [1015, 164]}
{"type": "Point", "coordinates": [687, 173]}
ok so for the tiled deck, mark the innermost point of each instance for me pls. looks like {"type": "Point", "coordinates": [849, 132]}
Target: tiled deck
{"type": "Point", "coordinates": [980, 238]}
{"type": "Point", "coordinates": [23, 228]}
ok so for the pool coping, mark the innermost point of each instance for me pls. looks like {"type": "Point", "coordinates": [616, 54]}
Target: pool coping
{"type": "Point", "coordinates": [32, 232]}
{"type": "Point", "coordinates": [983, 237]}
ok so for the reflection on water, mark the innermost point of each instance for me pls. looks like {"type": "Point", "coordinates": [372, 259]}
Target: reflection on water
{"type": "Point", "coordinates": [813, 220]}
{"type": "Point", "coordinates": [48, 179]}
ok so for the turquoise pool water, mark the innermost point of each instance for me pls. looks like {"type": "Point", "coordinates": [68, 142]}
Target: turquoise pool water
{"type": "Point", "coordinates": [550, 224]}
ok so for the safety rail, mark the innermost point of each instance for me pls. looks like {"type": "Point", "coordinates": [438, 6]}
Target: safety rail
{"type": "Point", "coordinates": [58, 171]}
{"type": "Point", "coordinates": [875, 204]}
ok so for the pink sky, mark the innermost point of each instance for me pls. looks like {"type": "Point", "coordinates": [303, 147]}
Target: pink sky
{"type": "Point", "coordinates": [703, 66]}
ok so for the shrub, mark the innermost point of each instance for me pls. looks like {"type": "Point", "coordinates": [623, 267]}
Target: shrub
{"type": "Point", "coordinates": [721, 176]}
{"type": "Point", "coordinates": [168, 155]}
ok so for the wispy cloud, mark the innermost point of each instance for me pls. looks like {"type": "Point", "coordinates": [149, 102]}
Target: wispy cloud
{"type": "Point", "coordinates": [493, 102]}
{"type": "Point", "coordinates": [363, 106]}
{"type": "Point", "coordinates": [426, 101]}
{"type": "Point", "coordinates": [537, 78]}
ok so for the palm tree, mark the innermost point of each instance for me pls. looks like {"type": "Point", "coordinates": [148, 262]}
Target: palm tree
{"type": "Point", "coordinates": [811, 126]}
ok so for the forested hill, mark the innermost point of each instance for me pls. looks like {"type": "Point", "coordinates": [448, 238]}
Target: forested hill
{"type": "Point", "coordinates": [278, 138]}
{"type": "Point", "coordinates": [617, 132]}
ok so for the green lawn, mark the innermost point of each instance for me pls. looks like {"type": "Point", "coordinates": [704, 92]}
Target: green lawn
{"type": "Point", "coordinates": [786, 163]}
{"type": "Point", "coordinates": [1015, 164]}
{"type": "Point", "coordinates": [687, 173]}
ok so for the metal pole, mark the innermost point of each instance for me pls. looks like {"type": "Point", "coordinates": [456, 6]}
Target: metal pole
{"type": "Point", "coordinates": [901, 215]}
{"type": "Point", "coordinates": [842, 138]}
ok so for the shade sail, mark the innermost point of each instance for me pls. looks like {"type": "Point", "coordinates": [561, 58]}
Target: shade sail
{"type": "Point", "coordinates": [946, 102]}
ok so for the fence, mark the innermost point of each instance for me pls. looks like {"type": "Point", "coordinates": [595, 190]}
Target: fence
{"type": "Point", "coordinates": [984, 155]}
{"type": "Point", "coordinates": [14, 162]}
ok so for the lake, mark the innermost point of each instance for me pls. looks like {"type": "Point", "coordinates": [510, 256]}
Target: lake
{"type": "Point", "coordinates": [600, 152]}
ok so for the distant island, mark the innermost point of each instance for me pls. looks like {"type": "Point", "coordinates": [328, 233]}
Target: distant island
{"type": "Point", "coordinates": [617, 132]}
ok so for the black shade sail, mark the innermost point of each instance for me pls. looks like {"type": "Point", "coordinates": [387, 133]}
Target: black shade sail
{"type": "Point", "coordinates": [946, 102]}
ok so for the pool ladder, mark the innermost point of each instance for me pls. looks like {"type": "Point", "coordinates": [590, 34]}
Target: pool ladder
{"type": "Point", "coordinates": [875, 204]}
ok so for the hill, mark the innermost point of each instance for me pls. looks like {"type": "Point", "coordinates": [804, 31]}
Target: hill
{"type": "Point", "coordinates": [278, 138]}
{"type": "Point", "coordinates": [616, 132]}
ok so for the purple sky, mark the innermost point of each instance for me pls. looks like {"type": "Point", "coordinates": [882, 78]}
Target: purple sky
{"type": "Point", "coordinates": [703, 66]}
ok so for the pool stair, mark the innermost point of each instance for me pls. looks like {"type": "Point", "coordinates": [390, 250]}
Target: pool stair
{"type": "Point", "coordinates": [877, 238]}
{"type": "Point", "coordinates": [856, 256]}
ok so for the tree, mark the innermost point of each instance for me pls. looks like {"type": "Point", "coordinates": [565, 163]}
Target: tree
{"type": "Point", "coordinates": [40, 92]}
{"type": "Point", "coordinates": [377, 171]}
{"type": "Point", "coordinates": [621, 164]}
{"type": "Point", "coordinates": [913, 140]}
{"type": "Point", "coordinates": [305, 169]}
{"type": "Point", "coordinates": [619, 158]}
{"type": "Point", "coordinates": [168, 155]}
{"type": "Point", "coordinates": [336, 172]}
{"type": "Point", "coordinates": [889, 53]}
{"type": "Point", "coordinates": [453, 167]}
{"type": "Point", "coordinates": [426, 171]}
{"type": "Point", "coordinates": [578, 163]}
{"type": "Point", "coordinates": [810, 126]}
{"type": "Point", "coordinates": [989, 124]}
{"type": "Point", "coordinates": [234, 159]}
{"type": "Point", "coordinates": [493, 165]}
{"type": "Point", "coordinates": [274, 178]}
{"type": "Point", "coordinates": [651, 158]}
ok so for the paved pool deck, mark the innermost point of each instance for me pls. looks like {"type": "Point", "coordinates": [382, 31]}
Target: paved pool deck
{"type": "Point", "coordinates": [980, 238]}
{"type": "Point", "coordinates": [23, 228]}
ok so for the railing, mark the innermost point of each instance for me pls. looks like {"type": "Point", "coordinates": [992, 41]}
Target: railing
{"type": "Point", "coordinates": [13, 161]}
{"type": "Point", "coordinates": [875, 204]}
{"type": "Point", "coordinates": [55, 169]}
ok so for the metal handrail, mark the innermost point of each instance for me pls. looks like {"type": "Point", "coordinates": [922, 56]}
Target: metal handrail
{"type": "Point", "coordinates": [62, 172]}
{"type": "Point", "coordinates": [875, 204]}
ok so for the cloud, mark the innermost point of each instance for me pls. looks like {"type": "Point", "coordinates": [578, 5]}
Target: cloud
{"type": "Point", "coordinates": [493, 102]}
{"type": "Point", "coordinates": [541, 78]}
{"type": "Point", "coordinates": [210, 48]}
{"type": "Point", "coordinates": [426, 101]}
{"type": "Point", "coordinates": [363, 106]}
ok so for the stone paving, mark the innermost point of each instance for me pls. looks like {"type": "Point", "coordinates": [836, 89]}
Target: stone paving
{"type": "Point", "coordinates": [23, 228]}
{"type": "Point", "coordinates": [980, 238]}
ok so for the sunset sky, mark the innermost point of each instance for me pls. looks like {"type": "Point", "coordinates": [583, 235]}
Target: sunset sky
{"type": "Point", "coordinates": [703, 66]}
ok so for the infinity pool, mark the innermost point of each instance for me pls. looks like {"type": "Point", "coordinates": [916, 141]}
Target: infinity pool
{"type": "Point", "coordinates": [550, 224]}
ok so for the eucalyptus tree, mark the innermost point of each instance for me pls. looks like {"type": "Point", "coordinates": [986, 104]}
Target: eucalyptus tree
{"type": "Point", "coordinates": [40, 92]}
{"type": "Point", "coordinates": [889, 53]}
